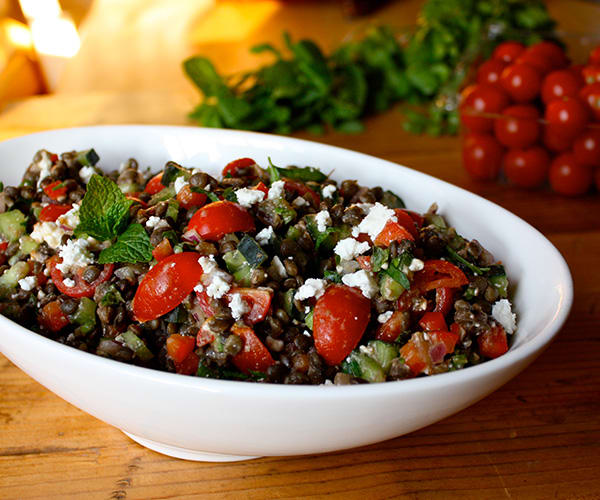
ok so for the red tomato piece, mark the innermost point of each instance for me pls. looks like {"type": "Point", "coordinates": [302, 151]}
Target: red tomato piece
{"type": "Point", "coordinates": [215, 220]}
{"type": "Point", "coordinates": [162, 250]}
{"type": "Point", "coordinates": [180, 346]}
{"type": "Point", "coordinates": [590, 95]}
{"type": "Point", "coordinates": [569, 177]}
{"type": "Point", "coordinates": [3, 247]}
{"type": "Point", "coordinates": [587, 148]}
{"type": "Point", "coordinates": [560, 84]}
{"type": "Point", "coordinates": [188, 199]}
{"type": "Point", "coordinates": [527, 168]}
{"type": "Point", "coordinates": [521, 81]}
{"type": "Point", "coordinates": [444, 299]}
{"type": "Point", "coordinates": [489, 72]}
{"type": "Point", "coordinates": [55, 190]}
{"type": "Point", "coordinates": [392, 328]}
{"type": "Point", "coordinates": [204, 302]}
{"type": "Point", "coordinates": [364, 261]}
{"type": "Point", "coordinates": [418, 219]}
{"type": "Point", "coordinates": [239, 168]}
{"type": "Point", "coordinates": [407, 299]}
{"type": "Point", "coordinates": [52, 317]}
{"type": "Point", "coordinates": [82, 288]}
{"type": "Point", "coordinates": [439, 273]}
{"type": "Point", "coordinates": [568, 117]}
{"type": "Point", "coordinates": [447, 338]}
{"type": "Point", "coordinates": [165, 286]}
{"type": "Point", "coordinates": [52, 212]}
{"type": "Point", "coordinates": [508, 52]}
{"type": "Point", "coordinates": [484, 99]}
{"type": "Point", "coordinates": [393, 231]}
{"type": "Point", "coordinates": [261, 187]}
{"type": "Point", "coordinates": [258, 299]}
{"type": "Point", "coordinates": [254, 356]}
{"type": "Point", "coordinates": [189, 366]}
{"type": "Point", "coordinates": [591, 74]}
{"type": "Point", "coordinates": [493, 342]}
{"type": "Point", "coordinates": [482, 156]}
{"type": "Point", "coordinates": [416, 354]}
{"type": "Point", "coordinates": [519, 126]}
{"type": "Point", "coordinates": [340, 318]}
{"type": "Point", "coordinates": [433, 321]}
{"type": "Point", "coordinates": [155, 185]}
{"type": "Point", "coordinates": [302, 189]}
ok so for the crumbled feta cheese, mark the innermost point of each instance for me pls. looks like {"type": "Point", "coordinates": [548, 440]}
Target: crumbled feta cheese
{"type": "Point", "coordinates": [279, 267]}
{"type": "Point", "coordinates": [264, 236]}
{"type": "Point", "coordinates": [199, 288]}
{"type": "Point", "coordinates": [299, 202]}
{"type": "Point", "coordinates": [312, 288]}
{"type": "Point", "coordinates": [50, 232]}
{"type": "Point", "coordinates": [365, 207]}
{"type": "Point", "coordinates": [179, 183]}
{"type": "Point", "coordinates": [74, 254]}
{"type": "Point", "coordinates": [28, 283]}
{"type": "Point", "coordinates": [502, 313]}
{"type": "Point", "coordinates": [363, 280]}
{"type": "Point", "coordinates": [71, 218]}
{"type": "Point", "coordinates": [328, 191]}
{"type": "Point", "coordinates": [218, 287]}
{"type": "Point", "coordinates": [68, 282]}
{"type": "Point", "coordinates": [215, 281]}
{"type": "Point", "coordinates": [416, 265]}
{"type": "Point", "coordinates": [40, 294]}
{"type": "Point", "coordinates": [153, 221]}
{"type": "Point", "coordinates": [307, 333]}
{"type": "Point", "coordinates": [86, 173]}
{"type": "Point", "coordinates": [238, 306]}
{"type": "Point", "coordinates": [44, 164]}
{"type": "Point", "coordinates": [367, 349]}
{"type": "Point", "coordinates": [323, 219]}
{"type": "Point", "coordinates": [384, 317]}
{"type": "Point", "coordinates": [349, 248]}
{"type": "Point", "coordinates": [276, 190]}
{"type": "Point", "coordinates": [306, 309]}
{"type": "Point", "coordinates": [208, 264]}
{"type": "Point", "coordinates": [248, 197]}
{"type": "Point", "coordinates": [375, 221]}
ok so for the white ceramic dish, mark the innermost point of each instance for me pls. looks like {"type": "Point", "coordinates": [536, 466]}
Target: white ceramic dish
{"type": "Point", "coordinates": [214, 420]}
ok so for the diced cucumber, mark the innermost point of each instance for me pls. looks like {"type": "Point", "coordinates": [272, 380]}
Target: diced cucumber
{"type": "Point", "coordinates": [238, 266]}
{"type": "Point", "coordinates": [85, 316]}
{"type": "Point", "coordinates": [308, 320]}
{"type": "Point", "coordinates": [163, 195]}
{"type": "Point", "coordinates": [172, 210]}
{"type": "Point", "coordinates": [384, 353]}
{"type": "Point", "coordinates": [88, 157]}
{"type": "Point", "coordinates": [363, 366]}
{"type": "Point", "coordinates": [11, 277]}
{"type": "Point", "coordinates": [390, 289]}
{"type": "Point", "coordinates": [499, 280]}
{"type": "Point", "coordinates": [12, 225]}
{"type": "Point", "coordinates": [280, 207]}
{"type": "Point", "coordinates": [392, 200]}
{"type": "Point", "coordinates": [252, 251]}
{"type": "Point", "coordinates": [436, 220]}
{"type": "Point", "coordinates": [27, 244]}
{"type": "Point", "coordinates": [136, 344]}
{"type": "Point", "coordinates": [293, 233]}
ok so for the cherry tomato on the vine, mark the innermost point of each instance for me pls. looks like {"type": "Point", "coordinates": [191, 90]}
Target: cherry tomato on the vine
{"type": "Point", "coordinates": [489, 72]}
{"type": "Point", "coordinates": [519, 126]}
{"type": "Point", "coordinates": [521, 81]}
{"type": "Point", "coordinates": [482, 99]}
{"type": "Point", "coordinates": [587, 148]}
{"type": "Point", "coordinates": [560, 84]}
{"type": "Point", "coordinates": [567, 117]}
{"type": "Point", "coordinates": [508, 51]}
{"type": "Point", "coordinates": [569, 177]}
{"type": "Point", "coordinates": [594, 57]}
{"type": "Point", "coordinates": [590, 94]}
{"type": "Point", "coordinates": [527, 167]}
{"type": "Point", "coordinates": [482, 156]}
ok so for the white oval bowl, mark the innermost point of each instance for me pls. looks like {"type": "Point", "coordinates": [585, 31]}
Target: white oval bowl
{"type": "Point", "coordinates": [216, 420]}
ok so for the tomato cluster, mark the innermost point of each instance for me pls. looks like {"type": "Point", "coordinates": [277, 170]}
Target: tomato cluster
{"type": "Point", "coordinates": [536, 117]}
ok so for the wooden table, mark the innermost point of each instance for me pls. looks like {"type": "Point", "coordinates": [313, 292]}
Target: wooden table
{"type": "Point", "coordinates": [536, 437]}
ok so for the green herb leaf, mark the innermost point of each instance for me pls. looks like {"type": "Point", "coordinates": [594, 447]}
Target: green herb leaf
{"type": "Point", "coordinates": [229, 195]}
{"type": "Point", "coordinates": [273, 171]}
{"type": "Point", "coordinates": [104, 209]}
{"type": "Point", "coordinates": [457, 258]}
{"type": "Point", "coordinates": [333, 276]}
{"type": "Point", "coordinates": [394, 270]}
{"type": "Point", "coordinates": [211, 196]}
{"type": "Point", "coordinates": [172, 171]}
{"type": "Point", "coordinates": [379, 258]}
{"type": "Point", "coordinates": [304, 174]}
{"type": "Point", "coordinates": [131, 246]}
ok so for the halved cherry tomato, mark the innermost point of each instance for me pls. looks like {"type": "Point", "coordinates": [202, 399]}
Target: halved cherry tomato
{"type": "Point", "coordinates": [236, 167]}
{"type": "Point", "coordinates": [155, 184]}
{"type": "Point", "coordinates": [493, 342]}
{"type": "Point", "coordinates": [52, 317]}
{"type": "Point", "coordinates": [393, 327]}
{"type": "Point", "coordinates": [444, 298]}
{"type": "Point", "coordinates": [166, 285]}
{"type": "Point", "coordinates": [188, 199]}
{"type": "Point", "coordinates": [261, 187]}
{"type": "Point", "coordinates": [162, 250]}
{"type": "Point", "coordinates": [189, 366]}
{"type": "Point", "coordinates": [433, 321]}
{"type": "Point", "coordinates": [254, 356]}
{"type": "Point", "coordinates": [55, 190]}
{"type": "Point", "coordinates": [417, 218]}
{"type": "Point", "coordinates": [437, 274]}
{"type": "Point", "coordinates": [52, 212]}
{"type": "Point", "coordinates": [179, 346]}
{"type": "Point", "coordinates": [259, 300]}
{"type": "Point", "coordinates": [364, 261]}
{"type": "Point", "coordinates": [302, 189]}
{"type": "Point", "coordinates": [407, 221]}
{"type": "Point", "coordinates": [340, 318]}
{"type": "Point", "coordinates": [591, 74]}
{"type": "Point", "coordinates": [393, 231]}
{"type": "Point", "coordinates": [82, 288]}
{"type": "Point", "coordinates": [215, 220]}
{"type": "Point", "coordinates": [508, 51]}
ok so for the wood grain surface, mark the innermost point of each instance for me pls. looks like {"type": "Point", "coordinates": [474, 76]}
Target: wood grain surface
{"type": "Point", "coordinates": [537, 437]}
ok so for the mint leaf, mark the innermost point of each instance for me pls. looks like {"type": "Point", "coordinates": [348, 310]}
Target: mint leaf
{"type": "Point", "coordinates": [132, 246]}
{"type": "Point", "coordinates": [104, 210]}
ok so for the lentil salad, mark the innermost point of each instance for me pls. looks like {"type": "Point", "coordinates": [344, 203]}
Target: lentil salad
{"type": "Point", "coordinates": [270, 274]}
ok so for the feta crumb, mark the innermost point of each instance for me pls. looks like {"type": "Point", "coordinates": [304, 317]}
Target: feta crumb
{"type": "Point", "coordinates": [306, 309]}
{"type": "Point", "coordinates": [263, 237]}
{"type": "Point", "coordinates": [502, 313]}
{"type": "Point", "coordinates": [71, 218]}
{"type": "Point", "coordinates": [49, 232]}
{"type": "Point", "coordinates": [86, 173]}
{"type": "Point", "coordinates": [384, 317]}
{"type": "Point", "coordinates": [199, 288]}
{"type": "Point", "coordinates": [312, 287]}
{"type": "Point", "coordinates": [416, 265]}
{"type": "Point", "coordinates": [44, 165]}
{"type": "Point", "coordinates": [28, 283]}
{"type": "Point", "coordinates": [40, 294]}
{"type": "Point", "coordinates": [299, 202]}
{"type": "Point", "coordinates": [153, 221]}
{"type": "Point", "coordinates": [322, 219]}
{"type": "Point", "coordinates": [363, 280]}
{"type": "Point", "coordinates": [68, 282]}
{"type": "Point", "coordinates": [276, 190]}
{"type": "Point", "coordinates": [349, 248]}
{"type": "Point", "coordinates": [307, 333]}
{"type": "Point", "coordinates": [218, 287]}
{"type": "Point", "coordinates": [74, 254]}
{"type": "Point", "coordinates": [248, 197]}
{"type": "Point", "coordinates": [279, 267]}
{"type": "Point", "coordinates": [327, 382]}
{"type": "Point", "coordinates": [208, 264]}
{"type": "Point", "coordinates": [375, 221]}
{"type": "Point", "coordinates": [179, 183]}
{"type": "Point", "coordinates": [328, 191]}
{"type": "Point", "coordinates": [238, 306]}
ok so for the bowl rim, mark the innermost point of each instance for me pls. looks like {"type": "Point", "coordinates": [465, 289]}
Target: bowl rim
{"type": "Point", "coordinates": [530, 348]}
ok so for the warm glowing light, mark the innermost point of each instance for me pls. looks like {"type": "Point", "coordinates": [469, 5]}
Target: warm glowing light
{"type": "Point", "coordinates": [18, 34]}
{"type": "Point", "coordinates": [36, 9]}
{"type": "Point", "coordinates": [56, 36]}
